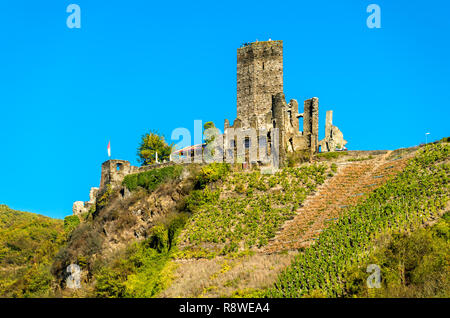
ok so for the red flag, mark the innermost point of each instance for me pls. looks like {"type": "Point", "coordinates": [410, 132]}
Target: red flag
{"type": "Point", "coordinates": [109, 148]}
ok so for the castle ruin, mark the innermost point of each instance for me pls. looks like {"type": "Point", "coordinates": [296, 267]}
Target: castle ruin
{"type": "Point", "coordinates": [261, 106]}
{"type": "Point", "coordinates": [261, 103]}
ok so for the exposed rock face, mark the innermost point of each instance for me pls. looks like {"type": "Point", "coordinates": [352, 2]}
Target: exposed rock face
{"type": "Point", "coordinates": [78, 208]}
{"type": "Point", "coordinates": [136, 213]}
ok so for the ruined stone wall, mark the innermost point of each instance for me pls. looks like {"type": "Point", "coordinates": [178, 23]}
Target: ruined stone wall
{"type": "Point", "coordinates": [334, 138]}
{"type": "Point", "coordinates": [259, 76]}
{"type": "Point", "coordinates": [311, 123]}
{"type": "Point", "coordinates": [113, 172]}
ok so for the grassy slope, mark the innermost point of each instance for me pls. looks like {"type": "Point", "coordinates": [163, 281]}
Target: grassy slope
{"type": "Point", "coordinates": [28, 243]}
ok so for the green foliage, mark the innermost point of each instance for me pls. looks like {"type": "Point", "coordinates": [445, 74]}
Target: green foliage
{"type": "Point", "coordinates": [71, 222]}
{"type": "Point", "coordinates": [104, 199]}
{"type": "Point", "coordinates": [251, 211]}
{"type": "Point", "coordinates": [206, 126]}
{"type": "Point", "coordinates": [211, 173]}
{"type": "Point", "coordinates": [28, 243]}
{"type": "Point", "coordinates": [415, 196]}
{"type": "Point", "coordinates": [331, 155]}
{"type": "Point", "coordinates": [334, 167]}
{"type": "Point", "coordinates": [160, 238]}
{"type": "Point", "coordinates": [151, 179]}
{"type": "Point", "coordinates": [110, 283]}
{"type": "Point", "coordinates": [85, 241]}
{"type": "Point", "coordinates": [151, 144]}
{"type": "Point", "coordinates": [412, 265]}
{"type": "Point", "coordinates": [146, 269]}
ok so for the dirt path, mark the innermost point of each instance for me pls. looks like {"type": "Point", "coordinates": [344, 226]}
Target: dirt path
{"type": "Point", "coordinates": [353, 182]}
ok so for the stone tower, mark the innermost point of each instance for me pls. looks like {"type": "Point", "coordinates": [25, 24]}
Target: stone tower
{"type": "Point", "coordinates": [311, 123]}
{"type": "Point", "coordinates": [113, 172]}
{"type": "Point", "coordinates": [259, 77]}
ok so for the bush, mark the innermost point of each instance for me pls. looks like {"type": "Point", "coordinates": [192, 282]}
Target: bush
{"type": "Point", "coordinates": [110, 284]}
{"type": "Point", "coordinates": [146, 269]}
{"type": "Point", "coordinates": [211, 173]}
{"type": "Point", "coordinates": [71, 222]}
{"type": "Point", "coordinates": [412, 265]}
{"type": "Point", "coordinates": [334, 167]}
{"type": "Point", "coordinates": [151, 179]}
{"type": "Point", "coordinates": [103, 201]}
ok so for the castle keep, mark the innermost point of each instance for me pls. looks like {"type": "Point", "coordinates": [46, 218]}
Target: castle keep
{"type": "Point", "coordinates": [261, 104]}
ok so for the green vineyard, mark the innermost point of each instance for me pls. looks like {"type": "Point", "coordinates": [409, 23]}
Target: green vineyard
{"type": "Point", "coordinates": [250, 207]}
{"type": "Point", "coordinates": [416, 196]}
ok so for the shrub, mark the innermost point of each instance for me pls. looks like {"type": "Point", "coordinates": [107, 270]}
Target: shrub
{"type": "Point", "coordinates": [103, 201]}
{"type": "Point", "coordinates": [151, 179]}
{"type": "Point", "coordinates": [146, 268]}
{"type": "Point", "coordinates": [211, 173]}
{"type": "Point", "coordinates": [333, 167]}
{"type": "Point", "coordinates": [413, 265]}
{"type": "Point", "coordinates": [110, 284]}
{"type": "Point", "coordinates": [71, 222]}
{"type": "Point", "coordinates": [159, 239]}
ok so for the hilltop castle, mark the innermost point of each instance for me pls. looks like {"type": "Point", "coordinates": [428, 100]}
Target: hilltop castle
{"type": "Point", "coordinates": [261, 106]}
{"type": "Point", "coordinates": [261, 103]}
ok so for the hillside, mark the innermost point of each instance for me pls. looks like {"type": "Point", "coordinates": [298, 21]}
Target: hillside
{"type": "Point", "coordinates": [28, 243]}
{"type": "Point", "coordinates": [309, 230]}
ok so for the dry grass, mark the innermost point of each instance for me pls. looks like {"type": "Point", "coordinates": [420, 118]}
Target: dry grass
{"type": "Point", "coordinates": [222, 276]}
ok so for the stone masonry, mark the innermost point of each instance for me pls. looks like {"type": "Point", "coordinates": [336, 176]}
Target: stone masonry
{"type": "Point", "coordinates": [261, 103]}
{"type": "Point", "coordinates": [334, 139]}
{"type": "Point", "coordinates": [261, 106]}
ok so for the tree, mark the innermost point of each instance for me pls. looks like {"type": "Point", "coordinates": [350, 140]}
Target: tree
{"type": "Point", "coordinates": [151, 144]}
{"type": "Point", "coordinates": [206, 126]}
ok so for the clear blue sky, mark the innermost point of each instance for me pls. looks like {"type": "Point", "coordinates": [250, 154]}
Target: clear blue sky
{"type": "Point", "coordinates": [140, 65]}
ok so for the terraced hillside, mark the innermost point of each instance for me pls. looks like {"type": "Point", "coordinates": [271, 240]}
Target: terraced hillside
{"type": "Point", "coordinates": [208, 267]}
{"type": "Point", "coordinates": [417, 196]}
{"type": "Point", "coordinates": [247, 209]}
{"type": "Point", "coordinates": [215, 230]}
{"type": "Point", "coordinates": [353, 183]}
